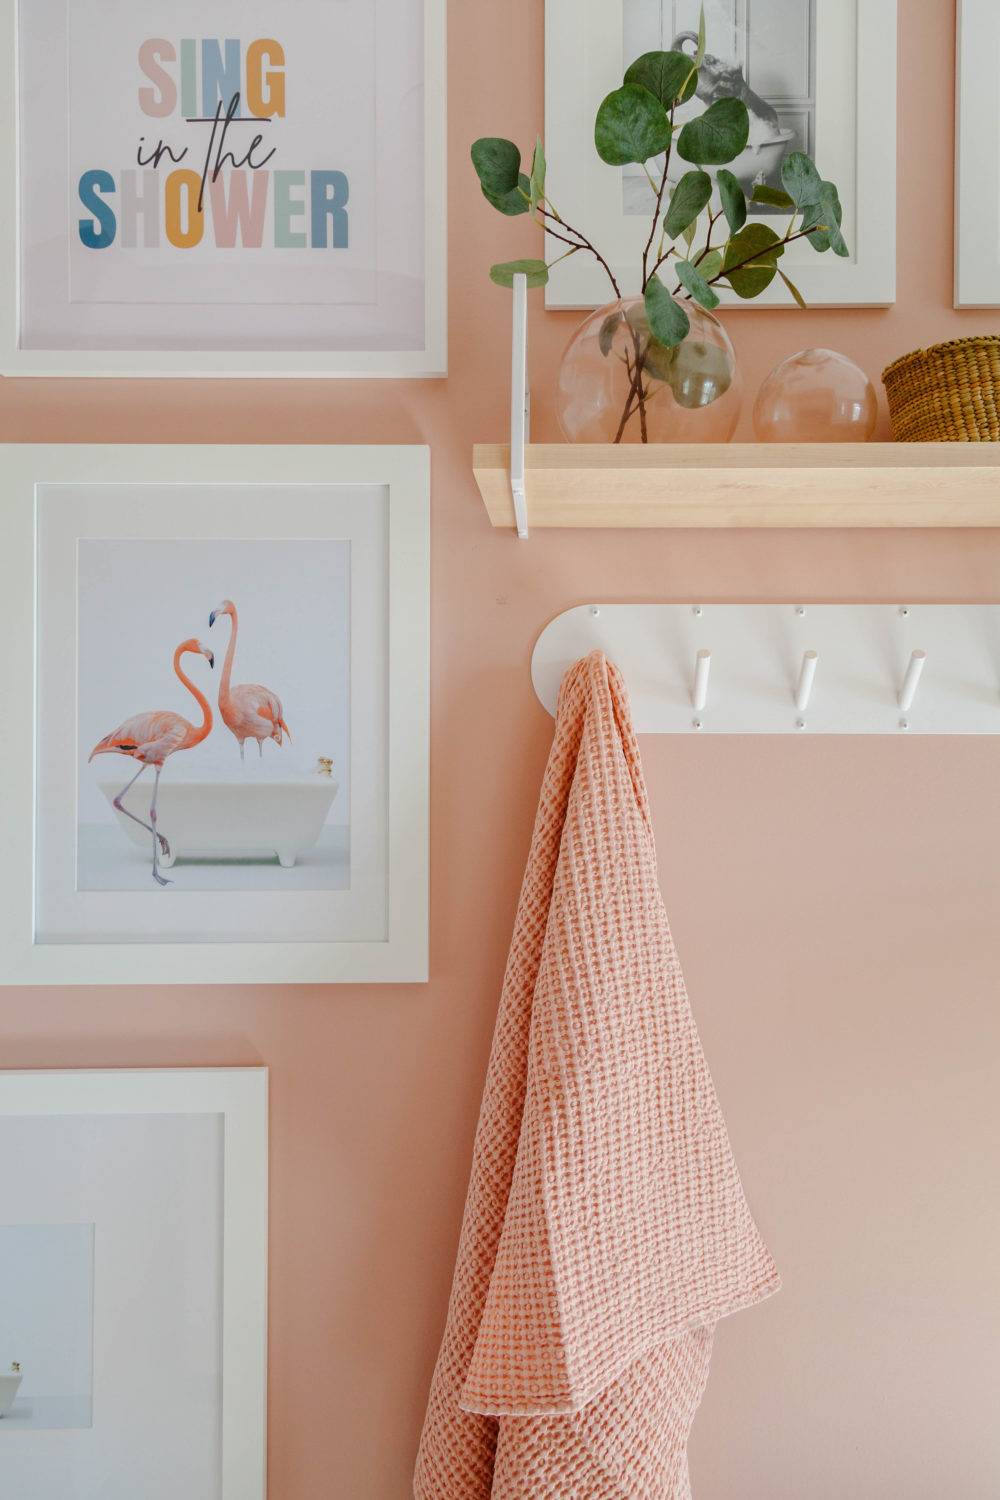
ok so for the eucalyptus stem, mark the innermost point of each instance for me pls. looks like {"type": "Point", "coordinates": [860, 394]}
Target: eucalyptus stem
{"type": "Point", "coordinates": [662, 261]}
{"type": "Point", "coordinates": [712, 219]}
{"type": "Point", "coordinates": [637, 380]}
{"type": "Point", "coordinates": [636, 397]}
{"type": "Point", "coordinates": [627, 412]}
{"type": "Point", "coordinates": [627, 409]}
{"type": "Point", "coordinates": [659, 203]}
{"type": "Point", "coordinates": [582, 242]}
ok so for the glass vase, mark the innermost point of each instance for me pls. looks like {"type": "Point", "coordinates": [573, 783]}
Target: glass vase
{"type": "Point", "coordinates": [816, 396]}
{"type": "Point", "coordinates": [618, 384]}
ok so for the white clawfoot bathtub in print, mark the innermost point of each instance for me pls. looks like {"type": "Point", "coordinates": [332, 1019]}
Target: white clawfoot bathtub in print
{"type": "Point", "coordinates": [9, 1387]}
{"type": "Point", "coordinates": [231, 820]}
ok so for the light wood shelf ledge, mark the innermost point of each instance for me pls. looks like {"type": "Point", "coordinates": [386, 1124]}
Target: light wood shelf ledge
{"type": "Point", "coordinates": [746, 484]}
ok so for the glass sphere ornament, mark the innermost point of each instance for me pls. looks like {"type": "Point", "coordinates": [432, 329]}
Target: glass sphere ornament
{"type": "Point", "coordinates": [816, 396]}
{"type": "Point", "coordinates": [618, 384]}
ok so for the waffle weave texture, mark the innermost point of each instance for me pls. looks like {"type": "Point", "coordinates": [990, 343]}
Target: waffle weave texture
{"type": "Point", "coordinates": [606, 1230]}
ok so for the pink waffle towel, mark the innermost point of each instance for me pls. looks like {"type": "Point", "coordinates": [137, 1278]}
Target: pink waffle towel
{"type": "Point", "coordinates": [605, 1229]}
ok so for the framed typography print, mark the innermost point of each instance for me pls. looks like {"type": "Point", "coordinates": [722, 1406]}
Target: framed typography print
{"type": "Point", "coordinates": [223, 187]}
{"type": "Point", "coordinates": [133, 1284]}
{"type": "Point", "coordinates": [220, 770]}
{"type": "Point", "coordinates": [977, 134]}
{"type": "Point", "coordinates": [816, 75]}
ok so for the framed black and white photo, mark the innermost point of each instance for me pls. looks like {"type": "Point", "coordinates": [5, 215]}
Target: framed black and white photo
{"type": "Point", "coordinates": [977, 136]}
{"type": "Point", "coordinates": [133, 1284]}
{"type": "Point", "coordinates": [817, 76]}
{"type": "Point", "coordinates": [223, 187]}
{"type": "Point", "coordinates": [220, 765]}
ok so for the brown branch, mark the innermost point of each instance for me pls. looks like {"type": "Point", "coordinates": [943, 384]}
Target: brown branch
{"type": "Point", "coordinates": [712, 221]}
{"type": "Point", "coordinates": [662, 261]}
{"type": "Point", "coordinates": [626, 414]}
{"type": "Point", "coordinates": [640, 393]}
{"type": "Point", "coordinates": [582, 243]}
{"type": "Point", "coordinates": [577, 244]}
{"type": "Point", "coordinates": [635, 379]}
{"type": "Point", "coordinates": [637, 397]}
{"type": "Point", "coordinates": [659, 201]}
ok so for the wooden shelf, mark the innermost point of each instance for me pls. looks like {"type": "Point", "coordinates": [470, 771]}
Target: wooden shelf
{"type": "Point", "coordinates": [746, 484]}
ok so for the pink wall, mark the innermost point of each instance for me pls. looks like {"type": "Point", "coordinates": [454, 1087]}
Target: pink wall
{"type": "Point", "coordinates": [835, 904]}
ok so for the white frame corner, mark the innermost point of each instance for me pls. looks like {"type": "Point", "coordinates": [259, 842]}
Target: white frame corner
{"type": "Point", "coordinates": [240, 1095]}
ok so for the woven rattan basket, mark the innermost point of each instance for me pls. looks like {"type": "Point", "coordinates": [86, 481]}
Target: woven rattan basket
{"type": "Point", "coordinates": [949, 393]}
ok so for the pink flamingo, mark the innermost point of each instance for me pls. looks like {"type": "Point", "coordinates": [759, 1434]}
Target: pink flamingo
{"type": "Point", "coordinates": [250, 711]}
{"type": "Point", "coordinates": [150, 738]}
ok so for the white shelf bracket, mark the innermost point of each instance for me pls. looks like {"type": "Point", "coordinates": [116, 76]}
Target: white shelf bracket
{"type": "Point", "coordinates": [520, 403]}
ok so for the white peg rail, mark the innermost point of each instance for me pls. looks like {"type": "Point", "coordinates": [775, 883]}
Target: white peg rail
{"type": "Point", "coordinates": [789, 668]}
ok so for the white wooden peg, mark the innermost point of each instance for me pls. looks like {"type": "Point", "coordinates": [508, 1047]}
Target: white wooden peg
{"type": "Point", "coordinates": [807, 676]}
{"type": "Point", "coordinates": [911, 681]}
{"type": "Point", "coordinates": [702, 667]}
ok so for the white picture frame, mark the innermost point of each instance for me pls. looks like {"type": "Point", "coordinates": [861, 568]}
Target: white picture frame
{"type": "Point", "coordinates": [856, 58]}
{"type": "Point", "coordinates": [81, 1101]}
{"type": "Point", "coordinates": [57, 929]}
{"type": "Point", "coordinates": [977, 128]}
{"type": "Point", "coordinates": [225, 355]}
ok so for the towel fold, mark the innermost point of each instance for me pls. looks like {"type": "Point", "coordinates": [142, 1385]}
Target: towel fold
{"type": "Point", "coordinates": [606, 1230]}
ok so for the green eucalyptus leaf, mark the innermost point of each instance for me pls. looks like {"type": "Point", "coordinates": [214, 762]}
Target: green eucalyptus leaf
{"type": "Point", "coordinates": [800, 178]}
{"type": "Point", "coordinates": [699, 56]}
{"type": "Point", "coordinates": [690, 235]}
{"type": "Point", "coordinates": [699, 374]}
{"type": "Point", "coordinates": [668, 322]}
{"type": "Point", "coordinates": [734, 203]}
{"type": "Point", "coordinates": [517, 201]}
{"type": "Point", "coordinates": [773, 196]}
{"type": "Point", "coordinates": [717, 136]}
{"type": "Point", "coordinates": [671, 76]}
{"type": "Point", "coordinates": [687, 200]}
{"type": "Point", "coordinates": [536, 271]}
{"type": "Point", "coordinates": [758, 241]}
{"type": "Point", "coordinates": [710, 265]}
{"type": "Point", "coordinates": [497, 163]}
{"type": "Point", "coordinates": [607, 331]}
{"type": "Point", "coordinates": [658, 360]}
{"type": "Point", "coordinates": [537, 189]}
{"type": "Point", "coordinates": [790, 284]}
{"type": "Point", "coordinates": [692, 280]}
{"type": "Point", "coordinates": [837, 242]}
{"type": "Point", "coordinates": [812, 215]}
{"type": "Point", "coordinates": [631, 126]}
{"type": "Point", "coordinates": [753, 256]}
{"type": "Point", "coordinates": [828, 214]}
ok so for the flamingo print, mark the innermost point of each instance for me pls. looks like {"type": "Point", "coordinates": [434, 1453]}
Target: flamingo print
{"type": "Point", "coordinates": [250, 711]}
{"type": "Point", "coordinates": [150, 738]}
